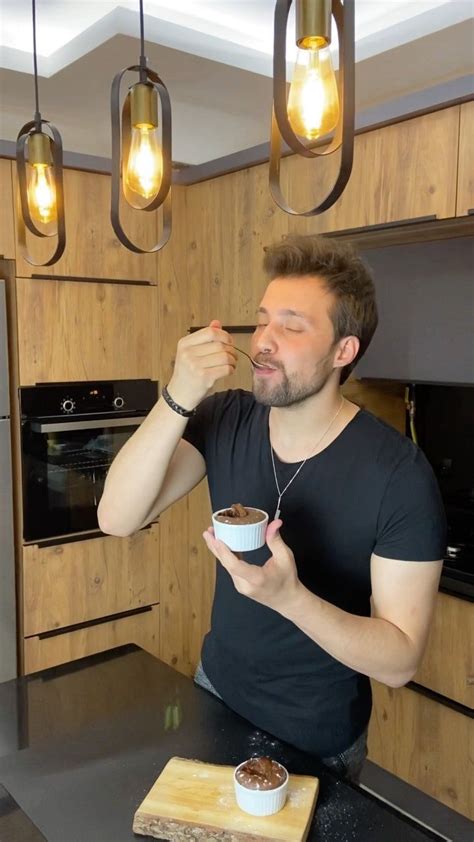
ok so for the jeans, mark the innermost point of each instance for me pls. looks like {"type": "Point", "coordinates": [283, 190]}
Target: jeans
{"type": "Point", "coordinates": [347, 764]}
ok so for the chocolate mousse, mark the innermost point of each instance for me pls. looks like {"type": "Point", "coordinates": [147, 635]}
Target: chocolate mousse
{"type": "Point", "coordinates": [261, 773]}
{"type": "Point", "coordinates": [239, 515]}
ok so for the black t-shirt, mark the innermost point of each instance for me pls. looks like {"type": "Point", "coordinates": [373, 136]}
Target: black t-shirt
{"type": "Point", "coordinates": [370, 491]}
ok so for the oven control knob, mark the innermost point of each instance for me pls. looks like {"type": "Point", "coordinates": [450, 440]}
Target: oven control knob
{"type": "Point", "coordinates": [68, 405]}
{"type": "Point", "coordinates": [119, 402]}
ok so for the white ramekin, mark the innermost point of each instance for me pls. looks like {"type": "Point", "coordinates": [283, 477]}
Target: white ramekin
{"type": "Point", "coordinates": [260, 802]}
{"type": "Point", "coordinates": [246, 537]}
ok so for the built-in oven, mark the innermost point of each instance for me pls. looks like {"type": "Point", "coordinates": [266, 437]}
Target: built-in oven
{"type": "Point", "coordinates": [70, 434]}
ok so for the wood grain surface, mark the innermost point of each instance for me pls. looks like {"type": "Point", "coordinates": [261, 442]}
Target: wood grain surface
{"type": "Point", "coordinates": [194, 800]}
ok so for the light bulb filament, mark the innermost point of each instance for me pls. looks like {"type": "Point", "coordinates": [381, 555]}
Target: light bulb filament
{"type": "Point", "coordinates": [144, 170]}
{"type": "Point", "coordinates": [42, 194]}
{"type": "Point", "coordinates": [313, 101]}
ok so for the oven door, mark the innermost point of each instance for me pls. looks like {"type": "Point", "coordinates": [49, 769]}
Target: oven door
{"type": "Point", "coordinates": [65, 463]}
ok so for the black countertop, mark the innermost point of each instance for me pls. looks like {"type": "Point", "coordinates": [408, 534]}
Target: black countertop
{"type": "Point", "coordinates": [82, 744]}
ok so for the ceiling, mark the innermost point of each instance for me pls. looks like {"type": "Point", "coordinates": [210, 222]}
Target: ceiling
{"type": "Point", "coordinates": [214, 56]}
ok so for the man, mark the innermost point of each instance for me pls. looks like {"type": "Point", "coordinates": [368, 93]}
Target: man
{"type": "Point", "coordinates": [345, 588]}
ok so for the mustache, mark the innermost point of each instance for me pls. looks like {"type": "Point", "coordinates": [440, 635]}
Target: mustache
{"type": "Point", "coordinates": [269, 363]}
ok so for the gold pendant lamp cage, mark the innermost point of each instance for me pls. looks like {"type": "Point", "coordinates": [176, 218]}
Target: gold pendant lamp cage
{"type": "Point", "coordinates": [316, 106]}
{"type": "Point", "coordinates": [141, 167]}
{"type": "Point", "coordinates": [39, 158]}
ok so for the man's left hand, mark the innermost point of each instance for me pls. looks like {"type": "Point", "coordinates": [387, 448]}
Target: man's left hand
{"type": "Point", "coordinates": [276, 584]}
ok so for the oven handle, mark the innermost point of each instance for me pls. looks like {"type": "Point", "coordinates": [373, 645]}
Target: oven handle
{"type": "Point", "coordinates": [96, 424]}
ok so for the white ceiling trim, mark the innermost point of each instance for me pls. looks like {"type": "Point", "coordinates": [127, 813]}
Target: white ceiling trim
{"type": "Point", "coordinates": [122, 21]}
{"type": "Point", "coordinates": [234, 49]}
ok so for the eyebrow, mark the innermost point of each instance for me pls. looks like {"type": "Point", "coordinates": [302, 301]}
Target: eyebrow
{"type": "Point", "coordinates": [298, 313]}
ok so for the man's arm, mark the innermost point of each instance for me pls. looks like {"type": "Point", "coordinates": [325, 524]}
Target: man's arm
{"type": "Point", "coordinates": [155, 468]}
{"type": "Point", "coordinates": [386, 646]}
{"type": "Point", "coordinates": [152, 470]}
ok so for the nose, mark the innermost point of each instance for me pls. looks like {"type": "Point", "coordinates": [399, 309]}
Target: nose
{"type": "Point", "coordinates": [265, 342]}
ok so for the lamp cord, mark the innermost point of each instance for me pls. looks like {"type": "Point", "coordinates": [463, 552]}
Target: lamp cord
{"type": "Point", "coordinates": [143, 76]}
{"type": "Point", "coordinates": [35, 65]}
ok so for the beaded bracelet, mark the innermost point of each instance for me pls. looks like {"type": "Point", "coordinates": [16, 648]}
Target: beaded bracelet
{"type": "Point", "coordinates": [186, 413]}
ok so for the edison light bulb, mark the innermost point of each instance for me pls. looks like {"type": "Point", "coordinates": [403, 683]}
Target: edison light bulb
{"type": "Point", "coordinates": [313, 101]}
{"type": "Point", "coordinates": [145, 166]}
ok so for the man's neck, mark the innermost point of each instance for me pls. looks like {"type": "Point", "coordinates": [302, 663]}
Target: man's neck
{"type": "Point", "coordinates": [295, 430]}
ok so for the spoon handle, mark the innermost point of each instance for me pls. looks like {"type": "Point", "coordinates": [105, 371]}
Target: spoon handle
{"type": "Point", "coordinates": [247, 355]}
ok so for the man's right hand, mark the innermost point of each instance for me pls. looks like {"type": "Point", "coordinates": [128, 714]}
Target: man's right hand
{"type": "Point", "coordinates": [202, 358]}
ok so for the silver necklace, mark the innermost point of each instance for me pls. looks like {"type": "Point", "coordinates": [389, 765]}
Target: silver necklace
{"type": "Point", "coordinates": [281, 493]}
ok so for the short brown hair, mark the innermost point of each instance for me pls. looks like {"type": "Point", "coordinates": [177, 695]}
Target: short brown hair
{"type": "Point", "coordinates": [344, 274]}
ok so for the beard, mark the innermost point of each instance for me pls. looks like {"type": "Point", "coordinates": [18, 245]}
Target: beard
{"type": "Point", "coordinates": [288, 392]}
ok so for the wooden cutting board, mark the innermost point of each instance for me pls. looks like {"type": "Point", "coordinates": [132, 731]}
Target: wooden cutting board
{"type": "Point", "coordinates": [190, 795]}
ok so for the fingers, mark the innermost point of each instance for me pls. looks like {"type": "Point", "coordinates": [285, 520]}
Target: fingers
{"type": "Point", "coordinates": [273, 529]}
{"type": "Point", "coordinates": [234, 565]}
{"type": "Point", "coordinates": [213, 333]}
{"type": "Point", "coordinates": [201, 359]}
{"type": "Point", "coordinates": [210, 350]}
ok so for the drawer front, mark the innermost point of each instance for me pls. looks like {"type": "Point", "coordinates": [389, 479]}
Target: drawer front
{"type": "Point", "coordinates": [141, 628]}
{"type": "Point", "coordinates": [447, 666]}
{"type": "Point", "coordinates": [425, 743]}
{"type": "Point", "coordinates": [84, 580]}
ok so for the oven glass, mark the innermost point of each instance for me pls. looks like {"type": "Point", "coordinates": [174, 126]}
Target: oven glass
{"type": "Point", "coordinates": [63, 477]}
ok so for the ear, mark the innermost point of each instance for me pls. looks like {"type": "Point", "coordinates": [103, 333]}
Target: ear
{"type": "Point", "coordinates": [346, 352]}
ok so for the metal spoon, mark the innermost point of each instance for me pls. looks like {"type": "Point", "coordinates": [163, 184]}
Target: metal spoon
{"type": "Point", "coordinates": [254, 363]}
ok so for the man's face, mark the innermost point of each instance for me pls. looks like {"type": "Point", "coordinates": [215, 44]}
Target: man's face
{"type": "Point", "coordinates": [295, 338]}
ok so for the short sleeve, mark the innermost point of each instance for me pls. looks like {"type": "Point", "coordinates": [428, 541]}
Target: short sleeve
{"type": "Point", "coordinates": [199, 426]}
{"type": "Point", "coordinates": [412, 520]}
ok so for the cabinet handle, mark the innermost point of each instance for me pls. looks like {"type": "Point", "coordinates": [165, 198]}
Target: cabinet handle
{"type": "Point", "coordinates": [97, 622]}
{"type": "Point", "coordinates": [470, 680]}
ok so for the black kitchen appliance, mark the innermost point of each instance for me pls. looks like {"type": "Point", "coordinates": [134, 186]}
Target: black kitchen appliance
{"type": "Point", "coordinates": [70, 433]}
{"type": "Point", "coordinates": [444, 423]}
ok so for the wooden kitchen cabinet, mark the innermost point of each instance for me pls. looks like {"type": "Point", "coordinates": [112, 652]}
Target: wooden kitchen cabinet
{"type": "Point", "coordinates": [448, 663]}
{"type": "Point", "coordinates": [92, 249]}
{"type": "Point", "coordinates": [425, 743]}
{"type": "Point", "coordinates": [465, 199]}
{"type": "Point", "coordinates": [7, 211]}
{"type": "Point", "coordinates": [401, 171]}
{"type": "Point", "coordinates": [77, 582]}
{"type": "Point", "coordinates": [75, 330]}
{"type": "Point", "coordinates": [141, 628]}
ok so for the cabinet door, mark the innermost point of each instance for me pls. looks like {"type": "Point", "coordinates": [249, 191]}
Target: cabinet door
{"type": "Point", "coordinates": [7, 211]}
{"type": "Point", "coordinates": [424, 743]}
{"type": "Point", "coordinates": [465, 201]}
{"type": "Point", "coordinates": [92, 249]}
{"type": "Point", "coordinates": [141, 628]}
{"type": "Point", "coordinates": [73, 583]}
{"type": "Point", "coordinates": [402, 171]}
{"type": "Point", "coordinates": [73, 330]}
{"type": "Point", "coordinates": [448, 663]}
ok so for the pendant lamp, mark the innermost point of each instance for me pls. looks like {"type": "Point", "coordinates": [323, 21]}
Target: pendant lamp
{"type": "Point", "coordinates": [316, 106]}
{"type": "Point", "coordinates": [39, 157]}
{"type": "Point", "coordinates": [141, 161]}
